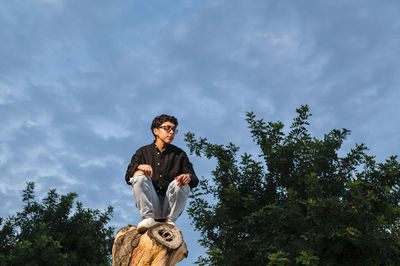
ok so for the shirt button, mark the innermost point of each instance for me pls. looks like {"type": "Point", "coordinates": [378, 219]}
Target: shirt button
{"type": "Point", "coordinates": [160, 175]}
{"type": "Point", "coordinates": [158, 153]}
{"type": "Point", "coordinates": [158, 163]}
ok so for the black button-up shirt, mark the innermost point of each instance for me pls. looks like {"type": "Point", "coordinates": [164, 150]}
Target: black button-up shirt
{"type": "Point", "coordinates": [166, 165]}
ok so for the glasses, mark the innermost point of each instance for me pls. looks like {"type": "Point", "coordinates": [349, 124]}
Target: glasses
{"type": "Point", "coordinates": [168, 129]}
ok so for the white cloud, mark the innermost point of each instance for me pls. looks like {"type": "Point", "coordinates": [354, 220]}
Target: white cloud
{"type": "Point", "coordinates": [105, 128]}
{"type": "Point", "coordinates": [271, 38]}
{"type": "Point", "coordinates": [9, 188]}
{"type": "Point", "coordinates": [41, 120]}
{"type": "Point", "coordinates": [180, 32]}
{"type": "Point", "coordinates": [10, 93]}
{"type": "Point", "coordinates": [202, 103]}
{"type": "Point", "coordinates": [101, 162]}
{"type": "Point", "coordinates": [10, 127]}
{"type": "Point", "coordinates": [5, 93]}
{"type": "Point", "coordinates": [53, 2]}
{"type": "Point", "coordinates": [3, 154]}
{"type": "Point", "coordinates": [38, 162]}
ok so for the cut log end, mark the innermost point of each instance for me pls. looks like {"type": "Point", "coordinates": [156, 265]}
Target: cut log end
{"type": "Point", "coordinates": [161, 244]}
{"type": "Point", "coordinates": [166, 235]}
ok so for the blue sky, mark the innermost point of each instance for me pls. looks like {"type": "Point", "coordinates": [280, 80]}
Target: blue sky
{"type": "Point", "coordinates": [80, 82]}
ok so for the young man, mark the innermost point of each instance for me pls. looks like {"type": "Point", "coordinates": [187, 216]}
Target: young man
{"type": "Point", "coordinates": [161, 175]}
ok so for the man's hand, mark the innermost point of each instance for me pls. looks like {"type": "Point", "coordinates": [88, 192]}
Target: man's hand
{"type": "Point", "coordinates": [145, 169]}
{"type": "Point", "coordinates": [183, 179]}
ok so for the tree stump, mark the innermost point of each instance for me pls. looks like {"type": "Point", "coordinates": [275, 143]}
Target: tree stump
{"type": "Point", "coordinates": [161, 244]}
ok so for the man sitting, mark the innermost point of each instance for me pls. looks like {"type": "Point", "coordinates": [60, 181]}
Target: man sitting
{"type": "Point", "coordinates": [161, 175]}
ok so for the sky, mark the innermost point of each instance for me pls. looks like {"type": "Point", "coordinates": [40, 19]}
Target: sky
{"type": "Point", "coordinates": [81, 81]}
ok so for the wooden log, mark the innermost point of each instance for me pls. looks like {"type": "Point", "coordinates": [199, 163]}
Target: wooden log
{"type": "Point", "coordinates": [161, 244]}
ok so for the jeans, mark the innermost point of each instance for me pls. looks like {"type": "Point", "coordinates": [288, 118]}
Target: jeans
{"type": "Point", "coordinates": [150, 204]}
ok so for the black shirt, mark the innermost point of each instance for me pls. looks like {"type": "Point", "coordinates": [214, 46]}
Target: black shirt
{"type": "Point", "coordinates": [166, 165]}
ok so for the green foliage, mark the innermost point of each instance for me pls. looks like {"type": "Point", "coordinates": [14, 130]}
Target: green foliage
{"type": "Point", "coordinates": [279, 258]}
{"type": "Point", "coordinates": [300, 203]}
{"type": "Point", "coordinates": [54, 233]}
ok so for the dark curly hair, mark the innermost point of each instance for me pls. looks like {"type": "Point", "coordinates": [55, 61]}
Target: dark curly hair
{"type": "Point", "coordinates": [159, 120]}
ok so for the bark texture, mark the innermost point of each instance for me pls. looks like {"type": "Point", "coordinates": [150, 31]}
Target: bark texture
{"type": "Point", "coordinates": [162, 244]}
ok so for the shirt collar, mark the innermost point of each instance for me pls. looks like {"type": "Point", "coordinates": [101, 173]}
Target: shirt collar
{"type": "Point", "coordinates": [167, 147]}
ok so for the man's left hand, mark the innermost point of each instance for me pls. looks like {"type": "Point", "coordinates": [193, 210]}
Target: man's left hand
{"type": "Point", "coordinates": [183, 179]}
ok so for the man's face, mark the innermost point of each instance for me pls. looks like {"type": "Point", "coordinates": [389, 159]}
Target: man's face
{"type": "Point", "coordinates": [165, 132]}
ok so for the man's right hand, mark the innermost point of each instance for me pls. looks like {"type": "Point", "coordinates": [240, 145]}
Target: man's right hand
{"type": "Point", "coordinates": [144, 169]}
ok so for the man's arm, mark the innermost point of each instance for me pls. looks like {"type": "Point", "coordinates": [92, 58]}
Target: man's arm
{"type": "Point", "coordinates": [188, 169]}
{"type": "Point", "coordinates": [137, 159]}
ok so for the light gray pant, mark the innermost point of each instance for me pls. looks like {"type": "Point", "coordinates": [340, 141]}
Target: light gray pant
{"type": "Point", "coordinates": [150, 204]}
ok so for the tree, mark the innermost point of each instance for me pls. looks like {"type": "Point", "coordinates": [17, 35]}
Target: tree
{"type": "Point", "coordinates": [54, 233]}
{"type": "Point", "coordinates": [300, 203]}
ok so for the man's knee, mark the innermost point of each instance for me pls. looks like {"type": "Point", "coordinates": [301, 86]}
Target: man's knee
{"type": "Point", "coordinates": [178, 189]}
{"type": "Point", "coordinates": [141, 179]}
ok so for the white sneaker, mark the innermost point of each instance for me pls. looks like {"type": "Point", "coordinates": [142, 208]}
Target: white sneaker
{"type": "Point", "coordinates": [170, 222]}
{"type": "Point", "coordinates": [145, 224]}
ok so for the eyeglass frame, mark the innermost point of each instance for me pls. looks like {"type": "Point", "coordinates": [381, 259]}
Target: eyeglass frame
{"type": "Point", "coordinates": [169, 128]}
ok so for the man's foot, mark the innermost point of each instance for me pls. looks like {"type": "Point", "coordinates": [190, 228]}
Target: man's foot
{"type": "Point", "coordinates": [145, 224]}
{"type": "Point", "coordinates": [168, 221]}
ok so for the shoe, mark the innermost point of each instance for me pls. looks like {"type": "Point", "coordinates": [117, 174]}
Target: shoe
{"type": "Point", "coordinates": [170, 222]}
{"type": "Point", "coordinates": [145, 224]}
